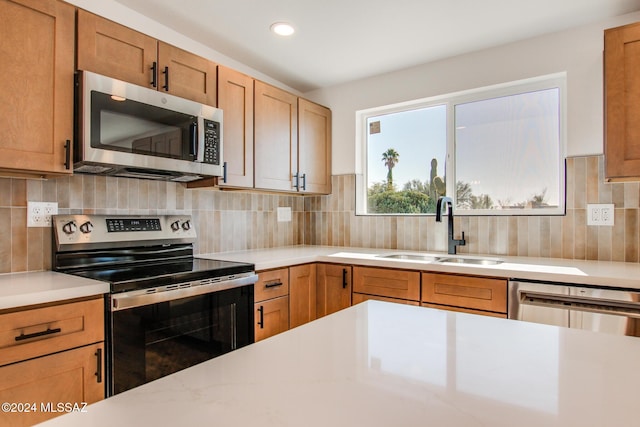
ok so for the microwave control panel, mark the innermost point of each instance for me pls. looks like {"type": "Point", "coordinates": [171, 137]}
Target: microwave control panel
{"type": "Point", "coordinates": [211, 142]}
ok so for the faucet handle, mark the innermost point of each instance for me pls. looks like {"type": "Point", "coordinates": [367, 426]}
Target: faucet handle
{"type": "Point", "coordinates": [462, 242]}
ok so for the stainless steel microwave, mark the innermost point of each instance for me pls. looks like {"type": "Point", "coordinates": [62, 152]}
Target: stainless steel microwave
{"type": "Point", "coordinates": [127, 130]}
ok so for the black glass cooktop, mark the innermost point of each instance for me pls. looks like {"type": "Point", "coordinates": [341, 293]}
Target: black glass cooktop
{"type": "Point", "coordinates": [130, 277]}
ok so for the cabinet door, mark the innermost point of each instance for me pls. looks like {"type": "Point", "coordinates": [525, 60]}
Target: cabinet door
{"type": "Point", "coordinates": [73, 376]}
{"type": "Point", "coordinates": [186, 75]}
{"type": "Point", "coordinates": [314, 147]}
{"type": "Point", "coordinates": [276, 138]}
{"type": "Point", "coordinates": [478, 293]}
{"type": "Point", "coordinates": [622, 109]}
{"type": "Point", "coordinates": [302, 294]}
{"type": "Point", "coordinates": [272, 317]}
{"type": "Point", "coordinates": [334, 288]}
{"type": "Point", "coordinates": [389, 283]}
{"type": "Point", "coordinates": [235, 98]}
{"type": "Point", "coordinates": [36, 89]}
{"type": "Point", "coordinates": [113, 50]}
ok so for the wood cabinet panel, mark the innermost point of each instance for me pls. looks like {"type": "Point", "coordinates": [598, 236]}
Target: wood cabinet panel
{"type": "Point", "coordinates": [272, 317]}
{"type": "Point", "coordinates": [271, 284]}
{"type": "Point", "coordinates": [186, 75]}
{"type": "Point", "coordinates": [302, 294]}
{"type": "Point", "coordinates": [478, 293]}
{"type": "Point", "coordinates": [32, 333]}
{"type": "Point", "coordinates": [358, 298]}
{"type": "Point", "coordinates": [37, 40]}
{"type": "Point", "coordinates": [314, 147]}
{"type": "Point", "coordinates": [73, 376]}
{"type": "Point", "coordinates": [276, 137]}
{"type": "Point", "coordinates": [235, 98]}
{"type": "Point", "coordinates": [622, 109]}
{"type": "Point", "coordinates": [333, 288]}
{"type": "Point", "coordinates": [390, 283]}
{"type": "Point", "coordinates": [113, 50]}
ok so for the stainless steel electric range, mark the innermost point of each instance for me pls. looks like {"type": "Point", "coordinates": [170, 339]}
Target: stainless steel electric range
{"type": "Point", "coordinates": [166, 310]}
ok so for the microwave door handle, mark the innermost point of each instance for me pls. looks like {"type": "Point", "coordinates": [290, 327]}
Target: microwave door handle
{"type": "Point", "coordinates": [193, 140]}
{"type": "Point", "coordinates": [197, 142]}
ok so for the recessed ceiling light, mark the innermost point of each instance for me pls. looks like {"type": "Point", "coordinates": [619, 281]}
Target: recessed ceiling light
{"type": "Point", "coordinates": [282, 28]}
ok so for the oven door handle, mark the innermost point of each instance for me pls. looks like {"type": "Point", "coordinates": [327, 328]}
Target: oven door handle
{"type": "Point", "coordinates": [125, 300]}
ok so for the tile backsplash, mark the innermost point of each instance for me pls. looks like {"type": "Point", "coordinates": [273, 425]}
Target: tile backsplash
{"type": "Point", "coordinates": [237, 220]}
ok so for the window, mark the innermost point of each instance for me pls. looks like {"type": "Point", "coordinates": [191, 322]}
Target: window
{"type": "Point", "coordinates": [495, 151]}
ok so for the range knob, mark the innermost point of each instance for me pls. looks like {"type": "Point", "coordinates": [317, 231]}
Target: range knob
{"type": "Point", "coordinates": [86, 227]}
{"type": "Point", "coordinates": [186, 226]}
{"type": "Point", "coordinates": [70, 227]}
{"type": "Point", "coordinates": [175, 226]}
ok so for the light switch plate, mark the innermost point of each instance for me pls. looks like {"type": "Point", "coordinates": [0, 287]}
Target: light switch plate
{"type": "Point", "coordinates": [601, 214]}
{"type": "Point", "coordinates": [284, 214]}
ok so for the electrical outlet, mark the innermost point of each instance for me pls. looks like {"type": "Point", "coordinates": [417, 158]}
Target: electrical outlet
{"type": "Point", "coordinates": [39, 213]}
{"type": "Point", "coordinates": [600, 214]}
{"type": "Point", "coordinates": [284, 214]}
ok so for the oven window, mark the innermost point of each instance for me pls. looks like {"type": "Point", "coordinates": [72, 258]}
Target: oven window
{"type": "Point", "coordinates": [153, 341]}
{"type": "Point", "coordinates": [134, 127]}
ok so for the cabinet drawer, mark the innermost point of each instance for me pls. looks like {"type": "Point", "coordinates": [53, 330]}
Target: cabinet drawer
{"type": "Point", "coordinates": [478, 293]}
{"type": "Point", "coordinates": [271, 284]}
{"type": "Point", "coordinates": [387, 282]}
{"type": "Point", "coordinates": [39, 331]}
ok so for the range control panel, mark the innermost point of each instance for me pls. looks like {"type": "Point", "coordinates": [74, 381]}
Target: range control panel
{"type": "Point", "coordinates": [116, 230]}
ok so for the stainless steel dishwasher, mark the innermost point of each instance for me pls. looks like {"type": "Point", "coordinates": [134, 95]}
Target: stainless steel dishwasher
{"type": "Point", "coordinates": [612, 311]}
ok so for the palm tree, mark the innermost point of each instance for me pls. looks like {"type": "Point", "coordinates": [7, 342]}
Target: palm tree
{"type": "Point", "coordinates": [390, 158]}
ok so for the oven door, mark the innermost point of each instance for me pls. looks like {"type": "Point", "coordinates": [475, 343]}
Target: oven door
{"type": "Point", "coordinates": [154, 340]}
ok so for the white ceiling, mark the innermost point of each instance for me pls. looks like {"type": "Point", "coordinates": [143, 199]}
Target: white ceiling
{"type": "Point", "coordinates": [342, 40]}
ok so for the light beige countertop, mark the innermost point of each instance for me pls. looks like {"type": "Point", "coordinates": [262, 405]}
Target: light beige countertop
{"type": "Point", "coordinates": [29, 288]}
{"type": "Point", "coordinates": [383, 364]}
{"type": "Point", "coordinates": [600, 273]}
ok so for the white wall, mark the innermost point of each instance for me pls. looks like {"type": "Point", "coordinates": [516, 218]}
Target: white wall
{"type": "Point", "coordinates": [114, 11]}
{"type": "Point", "coordinates": [577, 51]}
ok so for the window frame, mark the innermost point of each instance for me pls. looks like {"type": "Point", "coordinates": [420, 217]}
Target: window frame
{"type": "Point", "coordinates": [549, 81]}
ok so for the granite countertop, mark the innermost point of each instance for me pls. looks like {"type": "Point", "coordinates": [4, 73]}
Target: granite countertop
{"type": "Point", "coordinates": [383, 364]}
{"type": "Point", "coordinates": [599, 273]}
{"type": "Point", "coordinates": [29, 288]}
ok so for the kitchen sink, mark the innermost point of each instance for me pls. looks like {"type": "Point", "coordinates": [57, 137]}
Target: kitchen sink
{"type": "Point", "coordinates": [412, 257]}
{"type": "Point", "coordinates": [476, 261]}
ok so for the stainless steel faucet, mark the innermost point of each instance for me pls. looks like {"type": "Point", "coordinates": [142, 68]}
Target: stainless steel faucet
{"type": "Point", "coordinates": [448, 202]}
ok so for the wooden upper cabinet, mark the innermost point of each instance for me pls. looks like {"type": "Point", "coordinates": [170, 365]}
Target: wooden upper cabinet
{"type": "Point", "coordinates": [235, 98]}
{"type": "Point", "coordinates": [622, 102]}
{"type": "Point", "coordinates": [37, 39]}
{"type": "Point", "coordinates": [333, 288]}
{"type": "Point", "coordinates": [186, 75]}
{"type": "Point", "coordinates": [314, 147]}
{"type": "Point", "coordinates": [113, 50]}
{"type": "Point", "coordinates": [108, 48]}
{"type": "Point", "coordinates": [276, 138]}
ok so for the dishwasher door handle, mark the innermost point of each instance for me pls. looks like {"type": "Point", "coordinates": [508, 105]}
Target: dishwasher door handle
{"type": "Point", "coordinates": [590, 305]}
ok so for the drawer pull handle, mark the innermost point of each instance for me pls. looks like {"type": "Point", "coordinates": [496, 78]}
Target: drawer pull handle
{"type": "Point", "coordinates": [272, 284]}
{"type": "Point", "coordinates": [344, 278]}
{"type": "Point", "coordinates": [49, 331]}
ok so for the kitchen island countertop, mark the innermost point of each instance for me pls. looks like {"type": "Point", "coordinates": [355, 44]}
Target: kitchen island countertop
{"type": "Point", "coordinates": [584, 272]}
{"type": "Point", "coordinates": [384, 364]}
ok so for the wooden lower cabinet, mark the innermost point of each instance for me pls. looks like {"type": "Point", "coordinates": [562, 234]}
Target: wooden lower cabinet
{"type": "Point", "coordinates": [384, 282]}
{"type": "Point", "coordinates": [333, 291]}
{"type": "Point", "coordinates": [72, 378]}
{"type": "Point", "coordinates": [464, 310]}
{"type": "Point", "coordinates": [457, 292]}
{"type": "Point", "coordinates": [272, 317]}
{"type": "Point", "coordinates": [51, 355]}
{"type": "Point", "coordinates": [302, 294]}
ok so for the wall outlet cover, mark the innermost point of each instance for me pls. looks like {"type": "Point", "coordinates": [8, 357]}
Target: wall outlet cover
{"type": "Point", "coordinates": [284, 214]}
{"type": "Point", "coordinates": [601, 214]}
{"type": "Point", "coordinates": [39, 213]}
